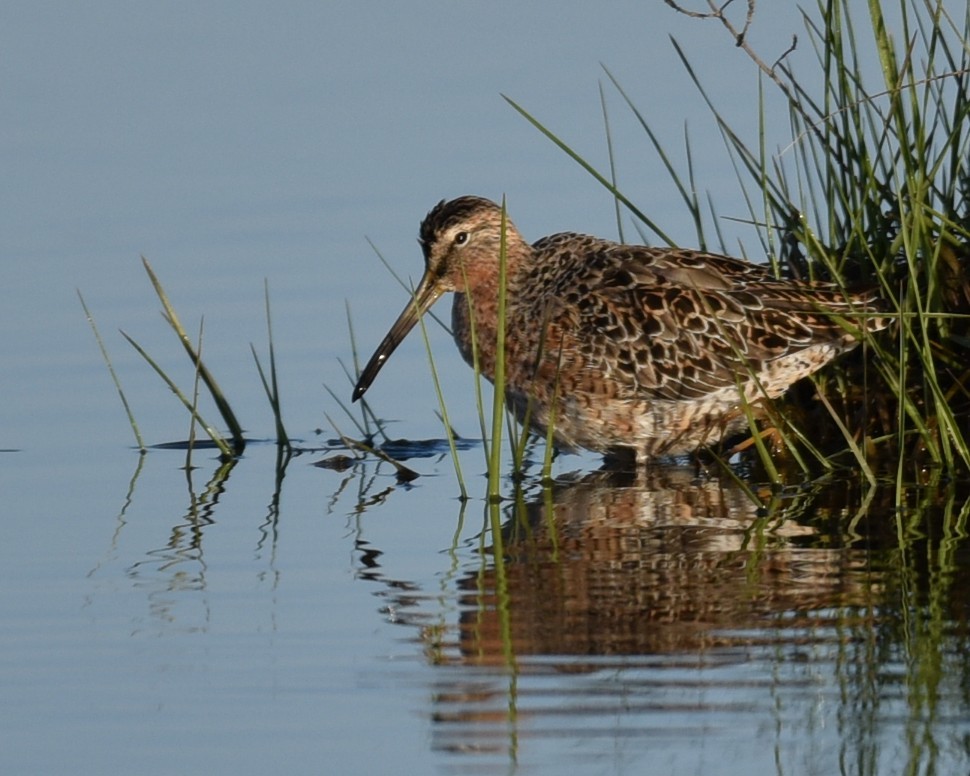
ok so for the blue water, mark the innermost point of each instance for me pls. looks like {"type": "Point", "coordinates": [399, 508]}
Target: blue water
{"type": "Point", "coordinates": [156, 621]}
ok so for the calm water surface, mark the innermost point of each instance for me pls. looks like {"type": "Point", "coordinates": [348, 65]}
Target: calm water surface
{"type": "Point", "coordinates": [659, 624]}
{"type": "Point", "coordinates": [302, 619]}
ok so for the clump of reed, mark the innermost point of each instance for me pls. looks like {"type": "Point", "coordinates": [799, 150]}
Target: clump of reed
{"type": "Point", "coordinates": [871, 188]}
{"type": "Point", "coordinates": [230, 444]}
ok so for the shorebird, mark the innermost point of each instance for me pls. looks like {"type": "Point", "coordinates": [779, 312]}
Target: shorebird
{"type": "Point", "coordinates": [624, 347]}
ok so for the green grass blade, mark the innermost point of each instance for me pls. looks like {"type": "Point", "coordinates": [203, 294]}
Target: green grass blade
{"type": "Point", "coordinates": [271, 384]}
{"type": "Point", "coordinates": [592, 171]}
{"type": "Point", "coordinates": [612, 158]}
{"type": "Point", "coordinates": [235, 429]}
{"type": "Point", "coordinates": [193, 414]}
{"type": "Point", "coordinates": [443, 408]}
{"type": "Point", "coordinates": [114, 375]}
{"type": "Point", "coordinates": [406, 286]}
{"type": "Point", "coordinates": [687, 190]}
{"type": "Point", "coordinates": [498, 395]}
{"type": "Point", "coordinates": [214, 435]}
{"type": "Point", "coordinates": [367, 415]}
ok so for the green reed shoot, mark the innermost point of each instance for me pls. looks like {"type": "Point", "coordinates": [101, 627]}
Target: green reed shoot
{"type": "Point", "coordinates": [477, 369]}
{"type": "Point", "coordinates": [873, 188]}
{"type": "Point", "coordinates": [443, 408]}
{"type": "Point", "coordinates": [367, 416]}
{"type": "Point", "coordinates": [114, 375]}
{"type": "Point", "coordinates": [550, 451]}
{"type": "Point", "coordinates": [686, 189]}
{"type": "Point", "coordinates": [213, 434]}
{"type": "Point", "coordinates": [617, 205]}
{"type": "Point", "coordinates": [591, 170]}
{"type": "Point", "coordinates": [190, 445]}
{"type": "Point", "coordinates": [271, 385]}
{"type": "Point", "coordinates": [235, 429]}
{"type": "Point", "coordinates": [498, 395]}
{"type": "Point", "coordinates": [403, 284]}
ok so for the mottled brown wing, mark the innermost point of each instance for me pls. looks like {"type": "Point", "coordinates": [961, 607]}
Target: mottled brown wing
{"type": "Point", "coordinates": [679, 324]}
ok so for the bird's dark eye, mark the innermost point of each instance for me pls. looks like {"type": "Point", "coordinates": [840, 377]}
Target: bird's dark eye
{"type": "Point", "coordinates": [461, 238]}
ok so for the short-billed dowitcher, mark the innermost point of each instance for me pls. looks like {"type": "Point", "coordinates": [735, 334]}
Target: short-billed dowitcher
{"type": "Point", "coordinates": [649, 349]}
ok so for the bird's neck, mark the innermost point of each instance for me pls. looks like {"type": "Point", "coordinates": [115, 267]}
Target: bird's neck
{"type": "Point", "coordinates": [475, 311]}
{"type": "Point", "coordinates": [475, 324]}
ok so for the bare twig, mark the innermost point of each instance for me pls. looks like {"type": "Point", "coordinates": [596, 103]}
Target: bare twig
{"type": "Point", "coordinates": [739, 35]}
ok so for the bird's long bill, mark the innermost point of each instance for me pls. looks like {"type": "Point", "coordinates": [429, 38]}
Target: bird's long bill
{"type": "Point", "coordinates": [426, 294]}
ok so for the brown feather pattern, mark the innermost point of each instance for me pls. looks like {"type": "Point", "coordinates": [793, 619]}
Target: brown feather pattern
{"type": "Point", "coordinates": [634, 347]}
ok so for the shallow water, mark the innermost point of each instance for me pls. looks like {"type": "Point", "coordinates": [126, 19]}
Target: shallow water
{"type": "Point", "coordinates": [669, 623]}
{"type": "Point", "coordinates": [328, 619]}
